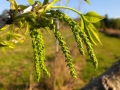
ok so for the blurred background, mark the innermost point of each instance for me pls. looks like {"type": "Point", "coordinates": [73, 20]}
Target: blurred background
{"type": "Point", "coordinates": [17, 65]}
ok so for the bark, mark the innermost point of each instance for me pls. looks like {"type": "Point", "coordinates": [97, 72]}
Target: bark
{"type": "Point", "coordinates": [109, 80]}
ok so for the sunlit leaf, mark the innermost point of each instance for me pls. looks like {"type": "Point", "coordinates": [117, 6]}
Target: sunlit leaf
{"type": "Point", "coordinates": [31, 2]}
{"type": "Point", "coordinates": [26, 28]}
{"type": "Point", "coordinates": [19, 24]}
{"type": "Point", "coordinates": [92, 32]}
{"type": "Point", "coordinates": [82, 23]}
{"type": "Point", "coordinates": [6, 44]}
{"type": "Point", "coordinates": [11, 27]}
{"type": "Point", "coordinates": [13, 4]}
{"type": "Point", "coordinates": [4, 28]}
{"type": "Point", "coordinates": [92, 17]}
{"type": "Point", "coordinates": [49, 6]}
{"type": "Point", "coordinates": [87, 1]}
{"type": "Point", "coordinates": [15, 37]}
{"type": "Point", "coordinates": [2, 44]}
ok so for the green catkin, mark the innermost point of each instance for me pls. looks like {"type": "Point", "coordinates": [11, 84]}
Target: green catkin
{"type": "Point", "coordinates": [39, 52]}
{"type": "Point", "coordinates": [76, 29]}
{"type": "Point", "coordinates": [89, 49]}
{"type": "Point", "coordinates": [65, 50]}
{"type": "Point", "coordinates": [71, 23]}
{"type": "Point", "coordinates": [61, 43]}
{"type": "Point", "coordinates": [36, 57]}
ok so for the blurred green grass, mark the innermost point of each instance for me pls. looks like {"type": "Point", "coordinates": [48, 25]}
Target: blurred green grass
{"type": "Point", "coordinates": [107, 54]}
{"type": "Point", "coordinates": [17, 64]}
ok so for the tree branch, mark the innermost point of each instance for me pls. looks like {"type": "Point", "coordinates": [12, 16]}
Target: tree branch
{"type": "Point", "coordinates": [109, 80]}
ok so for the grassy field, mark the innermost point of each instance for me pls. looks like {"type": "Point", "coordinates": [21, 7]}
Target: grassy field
{"type": "Point", "coordinates": [16, 66]}
{"type": "Point", "coordinates": [107, 54]}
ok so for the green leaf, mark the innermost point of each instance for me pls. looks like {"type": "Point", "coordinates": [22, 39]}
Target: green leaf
{"type": "Point", "coordinates": [26, 28]}
{"type": "Point", "coordinates": [92, 32]}
{"type": "Point", "coordinates": [92, 17]}
{"type": "Point", "coordinates": [31, 2]}
{"type": "Point", "coordinates": [49, 6]}
{"type": "Point", "coordinates": [14, 36]}
{"type": "Point", "coordinates": [11, 27]}
{"type": "Point", "coordinates": [4, 28]}
{"type": "Point", "coordinates": [6, 44]}
{"type": "Point", "coordinates": [13, 4]}
{"type": "Point", "coordinates": [16, 8]}
{"type": "Point", "coordinates": [20, 24]}
{"type": "Point", "coordinates": [82, 23]}
{"type": "Point", "coordinates": [87, 1]}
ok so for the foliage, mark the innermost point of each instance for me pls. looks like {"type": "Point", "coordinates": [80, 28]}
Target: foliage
{"type": "Point", "coordinates": [42, 17]}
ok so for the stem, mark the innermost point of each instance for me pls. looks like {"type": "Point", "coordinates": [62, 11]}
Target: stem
{"type": "Point", "coordinates": [64, 7]}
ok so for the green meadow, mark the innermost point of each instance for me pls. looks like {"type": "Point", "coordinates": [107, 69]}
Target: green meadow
{"type": "Point", "coordinates": [17, 65]}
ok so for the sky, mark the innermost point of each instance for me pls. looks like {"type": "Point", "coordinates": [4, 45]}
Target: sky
{"type": "Point", "coordinates": [102, 7]}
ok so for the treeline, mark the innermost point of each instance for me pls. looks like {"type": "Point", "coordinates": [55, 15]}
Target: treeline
{"type": "Point", "coordinates": [107, 23]}
{"type": "Point", "coordinates": [111, 23]}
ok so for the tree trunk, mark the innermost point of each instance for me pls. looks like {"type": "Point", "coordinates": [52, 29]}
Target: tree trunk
{"type": "Point", "coordinates": [109, 80]}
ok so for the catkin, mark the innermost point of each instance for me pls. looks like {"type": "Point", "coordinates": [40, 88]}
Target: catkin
{"type": "Point", "coordinates": [39, 52]}
{"type": "Point", "coordinates": [73, 26]}
{"type": "Point", "coordinates": [78, 34]}
{"type": "Point", "coordinates": [65, 50]}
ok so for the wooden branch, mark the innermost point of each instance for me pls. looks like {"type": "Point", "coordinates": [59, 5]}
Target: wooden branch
{"type": "Point", "coordinates": [109, 80]}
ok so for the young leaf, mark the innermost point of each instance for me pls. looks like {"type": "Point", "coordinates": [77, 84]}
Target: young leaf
{"type": "Point", "coordinates": [92, 17]}
{"type": "Point", "coordinates": [13, 4]}
{"type": "Point", "coordinates": [26, 28]}
{"type": "Point", "coordinates": [82, 24]}
{"type": "Point", "coordinates": [6, 44]}
{"type": "Point", "coordinates": [92, 32]}
{"type": "Point", "coordinates": [19, 24]}
{"type": "Point", "coordinates": [20, 38]}
{"type": "Point", "coordinates": [16, 8]}
{"type": "Point", "coordinates": [11, 27]}
{"type": "Point", "coordinates": [2, 44]}
{"type": "Point", "coordinates": [4, 28]}
{"type": "Point", "coordinates": [87, 1]}
{"type": "Point", "coordinates": [31, 2]}
{"type": "Point", "coordinates": [50, 5]}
